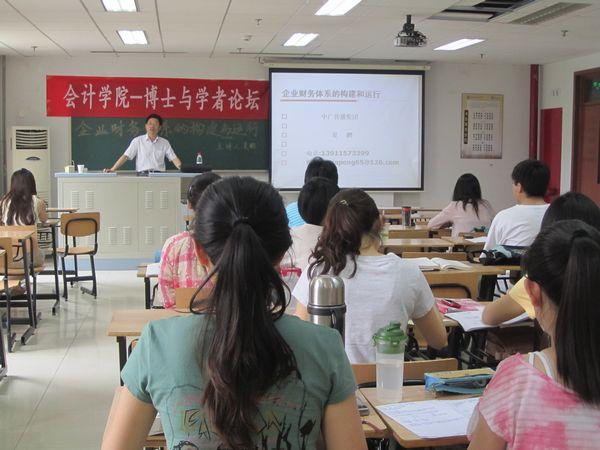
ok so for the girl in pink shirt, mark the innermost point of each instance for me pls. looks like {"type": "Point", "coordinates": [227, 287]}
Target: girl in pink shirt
{"type": "Point", "coordinates": [467, 209]}
{"type": "Point", "coordinates": [182, 263]}
{"type": "Point", "coordinates": [551, 399]}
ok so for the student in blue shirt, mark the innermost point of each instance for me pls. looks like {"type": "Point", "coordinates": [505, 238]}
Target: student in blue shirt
{"type": "Point", "coordinates": [317, 167]}
{"type": "Point", "coordinates": [239, 373]}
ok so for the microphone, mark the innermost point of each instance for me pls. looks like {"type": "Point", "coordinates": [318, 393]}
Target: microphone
{"type": "Point", "coordinates": [326, 302]}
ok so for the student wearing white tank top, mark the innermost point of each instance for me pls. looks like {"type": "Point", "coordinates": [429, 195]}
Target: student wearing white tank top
{"type": "Point", "coordinates": [551, 399]}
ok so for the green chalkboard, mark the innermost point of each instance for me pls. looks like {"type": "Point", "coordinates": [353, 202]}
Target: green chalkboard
{"type": "Point", "coordinates": [97, 142]}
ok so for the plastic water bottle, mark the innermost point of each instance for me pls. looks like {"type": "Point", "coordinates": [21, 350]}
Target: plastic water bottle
{"type": "Point", "coordinates": [390, 342]}
{"type": "Point", "coordinates": [199, 159]}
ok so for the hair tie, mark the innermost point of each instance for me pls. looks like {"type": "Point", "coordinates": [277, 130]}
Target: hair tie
{"type": "Point", "coordinates": [240, 220]}
{"type": "Point", "coordinates": [344, 202]}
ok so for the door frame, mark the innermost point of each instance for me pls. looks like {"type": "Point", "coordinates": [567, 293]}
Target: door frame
{"type": "Point", "coordinates": [578, 90]}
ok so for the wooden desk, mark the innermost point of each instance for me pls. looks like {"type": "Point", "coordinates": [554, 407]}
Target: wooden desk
{"type": "Point", "coordinates": [405, 437]}
{"type": "Point", "coordinates": [400, 245]}
{"type": "Point", "coordinates": [53, 209]}
{"type": "Point", "coordinates": [130, 323]}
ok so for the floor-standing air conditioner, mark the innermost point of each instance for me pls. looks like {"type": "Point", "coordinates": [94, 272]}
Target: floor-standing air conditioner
{"type": "Point", "coordinates": [31, 150]}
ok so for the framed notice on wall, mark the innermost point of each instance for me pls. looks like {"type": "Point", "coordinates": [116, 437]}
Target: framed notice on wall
{"type": "Point", "coordinates": [481, 135]}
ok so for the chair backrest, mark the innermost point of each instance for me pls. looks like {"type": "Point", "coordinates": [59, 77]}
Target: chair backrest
{"type": "Point", "coordinates": [451, 290]}
{"type": "Point", "coordinates": [183, 296]}
{"type": "Point", "coordinates": [15, 258]}
{"type": "Point", "coordinates": [409, 234]}
{"type": "Point", "coordinates": [80, 224]}
{"type": "Point", "coordinates": [454, 256]}
{"type": "Point", "coordinates": [413, 370]}
{"type": "Point", "coordinates": [6, 244]}
{"type": "Point", "coordinates": [442, 232]}
{"type": "Point", "coordinates": [472, 234]}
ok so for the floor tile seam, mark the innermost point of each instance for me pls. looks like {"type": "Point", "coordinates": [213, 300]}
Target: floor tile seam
{"type": "Point", "coordinates": [33, 413]}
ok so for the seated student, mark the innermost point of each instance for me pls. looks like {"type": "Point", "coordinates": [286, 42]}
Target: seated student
{"type": "Point", "coordinates": [467, 209]}
{"type": "Point", "coordinates": [21, 206]}
{"type": "Point", "coordinates": [571, 205]}
{"type": "Point", "coordinates": [183, 264]}
{"type": "Point", "coordinates": [520, 224]}
{"type": "Point", "coordinates": [312, 203]}
{"type": "Point", "coordinates": [251, 376]}
{"type": "Point", "coordinates": [379, 288]}
{"type": "Point", "coordinates": [551, 399]}
{"type": "Point", "coordinates": [317, 167]}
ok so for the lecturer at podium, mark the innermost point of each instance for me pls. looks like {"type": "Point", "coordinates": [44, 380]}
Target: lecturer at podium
{"type": "Point", "coordinates": [149, 150]}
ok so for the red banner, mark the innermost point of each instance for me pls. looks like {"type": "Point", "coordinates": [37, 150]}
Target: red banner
{"type": "Point", "coordinates": [169, 97]}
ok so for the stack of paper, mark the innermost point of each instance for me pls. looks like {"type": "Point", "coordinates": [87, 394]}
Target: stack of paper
{"type": "Point", "coordinates": [471, 320]}
{"type": "Point", "coordinates": [153, 270]}
{"type": "Point", "coordinates": [433, 418]}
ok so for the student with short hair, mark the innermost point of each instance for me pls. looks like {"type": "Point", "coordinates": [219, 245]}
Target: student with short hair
{"type": "Point", "coordinates": [317, 167]}
{"type": "Point", "coordinates": [239, 373]}
{"type": "Point", "coordinates": [467, 209]}
{"type": "Point", "coordinates": [551, 399]}
{"type": "Point", "coordinates": [182, 263]}
{"type": "Point", "coordinates": [571, 205]}
{"type": "Point", "coordinates": [520, 224]}
{"type": "Point", "coordinates": [313, 201]}
{"type": "Point", "coordinates": [379, 288]}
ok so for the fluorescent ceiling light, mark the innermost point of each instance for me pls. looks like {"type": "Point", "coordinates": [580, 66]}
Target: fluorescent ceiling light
{"type": "Point", "coordinates": [300, 39]}
{"type": "Point", "coordinates": [461, 43]}
{"type": "Point", "coordinates": [133, 37]}
{"type": "Point", "coordinates": [120, 5]}
{"type": "Point", "coordinates": [336, 7]}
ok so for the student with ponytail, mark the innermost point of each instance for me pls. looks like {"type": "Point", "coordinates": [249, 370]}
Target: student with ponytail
{"type": "Point", "coordinates": [379, 288]}
{"type": "Point", "coordinates": [551, 399]}
{"type": "Point", "coordinates": [239, 374]}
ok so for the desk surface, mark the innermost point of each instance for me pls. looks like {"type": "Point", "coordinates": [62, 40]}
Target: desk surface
{"type": "Point", "coordinates": [405, 437]}
{"type": "Point", "coordinates": [53, 209]}
{"type": "Point", "coordinates": [403, 228]}
{"type": "Point", "coordinates": [19, 235]}
{"type": "Point", "coordinates": [131, 322]}
{"type": "Point", "coordinates": [391, 244]}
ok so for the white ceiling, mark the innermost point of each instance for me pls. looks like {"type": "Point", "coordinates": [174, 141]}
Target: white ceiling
{"type": "Point", "coordinates": [218, 27]}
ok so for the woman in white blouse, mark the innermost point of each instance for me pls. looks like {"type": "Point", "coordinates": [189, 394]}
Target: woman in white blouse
{"type": "Point", "coordinates": [467, 210]}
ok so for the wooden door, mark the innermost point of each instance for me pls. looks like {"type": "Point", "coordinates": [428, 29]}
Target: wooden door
{"type": "Point", "coordinates": [586, 152]}
{"type": "Point", "coordinates": [551, 147]}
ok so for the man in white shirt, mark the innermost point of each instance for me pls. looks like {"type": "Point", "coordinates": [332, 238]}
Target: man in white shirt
{"type": "Point", "coordinates": [520, 224]}
{"type": "Point", "coordinates": [149, 150]}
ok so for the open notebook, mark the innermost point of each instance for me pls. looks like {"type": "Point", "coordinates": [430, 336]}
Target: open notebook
{"type": "Point", "coordinates": [428, 264]}
{"type": "Point", "coordinates": [471, 320]}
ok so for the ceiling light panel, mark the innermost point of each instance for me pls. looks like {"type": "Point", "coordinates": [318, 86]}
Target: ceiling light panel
{"type": "Point", "coordinates": [120, 5]}
{"type": "Point", "coordinates": [336, 7]}
{"type": "Point", "coordinates": [461, 43]}
{"type": "Point", "coordinates": [300, 39]}
{"type": "Point", "coordinates": [133, 37]}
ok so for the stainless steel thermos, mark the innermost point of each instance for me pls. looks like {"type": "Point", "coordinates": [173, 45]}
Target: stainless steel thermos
{"type": "Point", "coordinates": [326, 302]}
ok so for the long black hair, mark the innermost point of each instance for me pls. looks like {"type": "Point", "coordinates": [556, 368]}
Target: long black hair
{"type": "Point", "coordinates": [467, 190]}
{"type": "Point", "coordinates": [351, 215]}
{"type": "Point", "coordinates": [572, 205]}
{"type": "Point", "coordinates": [244, 231]}
{"type": "Point", "coordinates": [564, 260]}
{"type": "Point", "coordinates": [20, 195]}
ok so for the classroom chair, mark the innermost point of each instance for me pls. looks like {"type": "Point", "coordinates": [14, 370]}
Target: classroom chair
{"type": "Point", "coordinates": [79, 225]}
{"type": "Point", "coordinates": [6, 291]}
{"type": "Point", "coordinates": [12, 267]}
{"type": "Point", "coordinates": [183, 297]}
{"type": "Point", "coordinates": [409, 234]}
{"type": "Point", "coordinates": [414, 371]}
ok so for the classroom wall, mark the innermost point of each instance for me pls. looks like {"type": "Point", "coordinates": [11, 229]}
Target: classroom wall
{"type": "Point", "coordinates": [444, 83]}
{"type": "Point", "coordinates": [557, 82]}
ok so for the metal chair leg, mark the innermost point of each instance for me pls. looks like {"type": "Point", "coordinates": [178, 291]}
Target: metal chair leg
{"type": "Point", "coordinates": [64, 275]}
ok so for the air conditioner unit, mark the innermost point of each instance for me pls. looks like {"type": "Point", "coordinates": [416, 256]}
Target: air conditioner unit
{"type": "Point", "coordinates": [31, 150]}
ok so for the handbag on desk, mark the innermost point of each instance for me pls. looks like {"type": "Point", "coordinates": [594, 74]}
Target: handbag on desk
{"type": "Point", "coordinates": [503, 255]}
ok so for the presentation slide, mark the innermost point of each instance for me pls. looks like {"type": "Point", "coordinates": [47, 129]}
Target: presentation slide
{"type": "Point", "coordinates": [369, 124]}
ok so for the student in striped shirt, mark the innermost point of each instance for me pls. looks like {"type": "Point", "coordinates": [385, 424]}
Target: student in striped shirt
{"type": "Point", "coordinates": [317, 167]}
{"type": "Point", "coordinates": [184, 264]}
{"type": "Point", "coordinates": [551, 399]}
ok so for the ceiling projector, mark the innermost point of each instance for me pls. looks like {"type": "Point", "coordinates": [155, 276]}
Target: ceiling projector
{"type": "Point", "coordinates": [409, 37]}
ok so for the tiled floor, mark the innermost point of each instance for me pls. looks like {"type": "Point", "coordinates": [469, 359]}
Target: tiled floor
{"type": "Point", "coordinates": [60, 385]}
